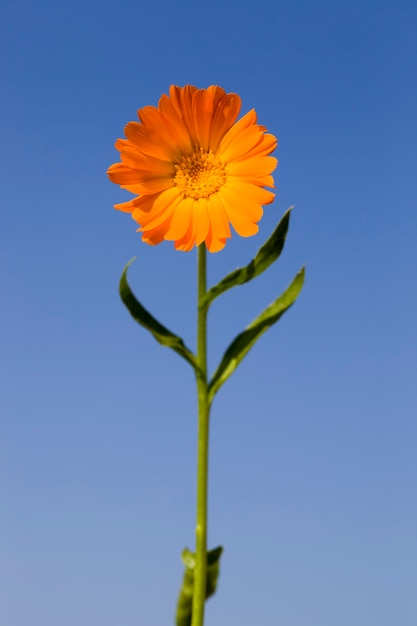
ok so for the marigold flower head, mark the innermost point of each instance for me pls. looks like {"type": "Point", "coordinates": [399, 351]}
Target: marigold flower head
{"type": "Point", "coordinates": [195, 169]}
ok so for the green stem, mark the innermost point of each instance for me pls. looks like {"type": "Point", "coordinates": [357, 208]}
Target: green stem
{"type": "Point", "coordinates": [200, 573]}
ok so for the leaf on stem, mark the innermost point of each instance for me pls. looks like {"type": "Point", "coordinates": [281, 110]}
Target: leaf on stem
{"type": "Point", "coordinates": [241, 345]}
{"type": "Point", "coordinates": [185, 599]}
{"type": "Point", "coordinates": [265, 256]}
{"type": "Point", "coordinates": [145, 319]}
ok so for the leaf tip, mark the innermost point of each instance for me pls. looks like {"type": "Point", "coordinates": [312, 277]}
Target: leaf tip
{"type": "Point", "coordinates": [129, 263]}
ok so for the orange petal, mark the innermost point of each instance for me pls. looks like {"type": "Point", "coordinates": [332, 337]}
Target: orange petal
{"type": "Point", "coordinates": [137, 174]}
{"type": "Point", "coordinates": [148, 141]}
{"type": "Point", "coordinates": [153, 119]}
{"type": "Point", "coordinates": [216, 93]}
{"type": "Point", "coordinates": [262, 147]}
{"type": "Point", "coordinates": [129, 206]}
{"type": "Point", "coordinates": [126, 207]}
{"type": "Point", "coordinates": [242, 212]}
{"type": "Point", "coordinates": [128, 152]}
{"type": "Point", "coordinates": [162, 209]}
{"type": "Point", "coordinates": [132, 157]}
{"type": "Point", "coordinates": [248, 139]}
{"type": "Point", "coordinates": [248, 120]}
{"type": "Point", "coordinates": [224, 118]}
{"type": "Point", "coordinates": [179, 98]}
{"type": "Point", "coordinates": [256, 166]}
{"type": "Point", "coordinates": [243, 226]}
{"type": "Point", "coordinates": [155, 236]}
{"type": "Point", "coordinates": [203, 116]}
{"type": "Point", "coordinates": [143, 208]}
{"type": "Point", "coordinates": [187, 241]}
{"type": "Point", "coordinates": [260, 181]}
{"type": "Point", "coordinates": [241, 192]}
{"type": "Point", "coordinates": [122, 174]}
{"type": "Point", "coordinates": [174, 124]}
{"type": "Point", "coordinates": [219, 224]}
{"type": "Point", "coordinates": [149, 187]}
{"type": "Point", "coordinates": [213, 244]}
{"type": "Point", "coordinates": [186, 105]}
{"type": "Point", "coordinates": [201, 220]}
{"type": "Point", "coordinates": [181, 219]}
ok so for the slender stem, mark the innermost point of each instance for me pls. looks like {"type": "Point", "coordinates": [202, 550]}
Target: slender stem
{"type": "Point", "coordinates": [200, 573]}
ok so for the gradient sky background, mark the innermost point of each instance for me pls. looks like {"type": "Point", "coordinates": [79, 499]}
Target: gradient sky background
{"type": "Point", "coordinates": [313, 452]}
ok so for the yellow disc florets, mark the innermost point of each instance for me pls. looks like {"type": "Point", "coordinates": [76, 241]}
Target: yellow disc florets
{"type": "Point", "coordinates": [199, 174]}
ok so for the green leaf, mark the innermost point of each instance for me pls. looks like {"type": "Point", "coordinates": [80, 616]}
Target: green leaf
{"type": "Point", "coordinates": [265, 256]}
{"type": "Point", "coordinates": [241, 345]}
{"type": "Point", "coordinates": [185, 599]}
{"type": "Point", "coordinates": [145, 319]}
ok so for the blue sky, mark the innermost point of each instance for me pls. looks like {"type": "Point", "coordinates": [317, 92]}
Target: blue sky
{"type": "Point", "coordinates": [313, 449]}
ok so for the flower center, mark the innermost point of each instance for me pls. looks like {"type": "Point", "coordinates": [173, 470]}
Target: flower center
{"type": "Point", "coordinates": [199, 174]}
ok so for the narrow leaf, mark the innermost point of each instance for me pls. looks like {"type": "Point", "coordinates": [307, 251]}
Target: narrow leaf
{"type": "Point", "coordinates": [265, 256]}
{"type": "Point", "coordinates": [241, 345]}
{"type": "Point", "coordinates": [185, 599]}
{"type": "Point", "coordinates": [145, 319]}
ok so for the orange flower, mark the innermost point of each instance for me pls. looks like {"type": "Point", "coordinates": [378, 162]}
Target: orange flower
{"type": "Point", "coordinates": [195, 170]}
